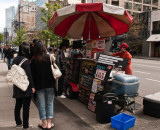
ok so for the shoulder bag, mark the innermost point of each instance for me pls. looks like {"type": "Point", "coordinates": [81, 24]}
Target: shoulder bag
{"type": "Point", "coordinates": [17, 76]}
{"type": "Point", "coordinates": [55, 70]}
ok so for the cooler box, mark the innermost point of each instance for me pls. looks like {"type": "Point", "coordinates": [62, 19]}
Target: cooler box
{"type": "Point", "coordinates": [151, 104]}
{"type": "Point", "coordinates": [125, 84]}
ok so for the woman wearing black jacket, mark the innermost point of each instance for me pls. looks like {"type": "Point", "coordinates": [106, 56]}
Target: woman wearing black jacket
{"type": "Point", "coordinates": [44, 84]}
{"type": "Point", "coordinates": [23, 98]}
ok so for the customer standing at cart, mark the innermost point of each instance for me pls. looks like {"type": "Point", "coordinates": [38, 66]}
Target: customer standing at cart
{"type": "Point", "coordinates": [124, 53]}
{"type": "Point", "coordinates": [61, 62]}
{"type": "Point", "coordinates": [44, 84]}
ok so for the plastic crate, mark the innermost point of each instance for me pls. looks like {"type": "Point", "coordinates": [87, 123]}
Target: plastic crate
{"type": "Point", "coordinates": [122, 121]}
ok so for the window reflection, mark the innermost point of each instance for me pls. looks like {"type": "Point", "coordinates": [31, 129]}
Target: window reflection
{"type": "Point", "coordinates": [116, 3]}
{"type": "Point", "coordinates": [128, 5]}
{"type": "Point", "coordinates": [140, 1]}
{"type": "Point", "coordinates": [154, 8]}
{"type": "Point", "coordinates": [147, 1]}
{"type": "Point", "coordinates": [137, 7]}
{"type": "Point", "coordinates": [145, 8]}
{"type": "Point", "coordinates": [155, 2]}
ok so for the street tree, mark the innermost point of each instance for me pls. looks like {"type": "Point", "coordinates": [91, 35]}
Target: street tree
{"type": "Point", "coordinates": [138, 33]}
{"type": "Point", "coordinates": [47, 34]}
{"type": "Point", "coordinates": [20, 38]}
{"type": "Point", "coordinates": [1, 37]}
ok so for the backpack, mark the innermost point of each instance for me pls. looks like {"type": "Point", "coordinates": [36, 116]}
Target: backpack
{"type": "Point", "coordinates": [17, 76]}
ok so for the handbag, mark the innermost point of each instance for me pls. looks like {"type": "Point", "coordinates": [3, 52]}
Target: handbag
{"type": "Point", "coordinates": [55, 70]}
{"type": "Point", "coordinates": [17, 76]}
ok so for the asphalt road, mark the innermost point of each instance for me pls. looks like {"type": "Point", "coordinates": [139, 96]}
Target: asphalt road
{"type": "Point", "coordinates": [148, 71]}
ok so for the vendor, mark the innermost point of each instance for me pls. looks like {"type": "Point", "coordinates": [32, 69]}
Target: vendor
{"type": "Point", "coordinates": [124, 53]}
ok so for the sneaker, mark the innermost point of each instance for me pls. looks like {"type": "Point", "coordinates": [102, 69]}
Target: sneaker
{"type": "Point", "coordinates": [62, 96]}
{"type": "Point", "coordinates": [18, 126]}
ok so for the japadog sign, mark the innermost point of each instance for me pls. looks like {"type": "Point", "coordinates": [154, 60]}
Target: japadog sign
{"type": "Point", "coordinates": [100, 74]}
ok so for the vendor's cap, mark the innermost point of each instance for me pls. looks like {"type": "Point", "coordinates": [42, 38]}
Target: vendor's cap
{"type": "Point", "coordinates": [123, 45]}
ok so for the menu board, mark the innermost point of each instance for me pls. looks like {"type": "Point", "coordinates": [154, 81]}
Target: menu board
{"type": "Point", "coordinates": [92, 103]}
{"type": "Point", "coordinates": [101, 73]}
{"type": "Point", "coordinates": [93, 46]}
{"type": "Point", "coordinates": [85, 80]}
{"type": "Point", "coordinates": [97, 86]}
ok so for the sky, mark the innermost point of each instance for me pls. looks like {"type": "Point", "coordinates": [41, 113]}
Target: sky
{"type": "Point", "coordinates": [3, 5]}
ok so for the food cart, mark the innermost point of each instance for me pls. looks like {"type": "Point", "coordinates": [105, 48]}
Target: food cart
{"type": "Point", "coordinates": [86, 76]}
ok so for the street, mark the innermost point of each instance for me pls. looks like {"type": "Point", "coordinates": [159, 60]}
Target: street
{"type": "Point", "coordinates": [148, 73]}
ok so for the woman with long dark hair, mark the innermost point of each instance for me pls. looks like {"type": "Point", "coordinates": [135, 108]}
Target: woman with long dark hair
{"type": "Point", "coordinates": [44, 84]}
{"type": "Point", "coordinates": [23, 98]}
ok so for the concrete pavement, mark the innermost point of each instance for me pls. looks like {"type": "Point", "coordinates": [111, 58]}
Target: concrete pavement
{"type": "Point", "coordinates": [64, 119]}
{"type": "Point", "coordinates": [143, 122]}
{"type": "Point", "coordinates": [7, 103]}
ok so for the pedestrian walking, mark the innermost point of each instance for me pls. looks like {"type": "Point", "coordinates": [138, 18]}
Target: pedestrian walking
{"type": "Point", "coordinates": [50, 52]}
{"type": "Point", "coordinates": [4, 52]}
{"type": "Point", "coordinates": [61, 62]}
{"type": "Point", "coordinates": [23, 98]}
{"type": "Point", "coordinates": [10, 55]}
{"type": "Point", "coordinates": [1, 52]}
{"type": "Point", "coordinates": [31, 48]}
{"type": "Point", "coordinates": [44, 84]}
{"type": "Point", "coordinates": [124, 53]}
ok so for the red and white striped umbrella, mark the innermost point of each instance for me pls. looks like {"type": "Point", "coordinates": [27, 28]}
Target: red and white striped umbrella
{"type": "Point", "coordinates": [90, 21]}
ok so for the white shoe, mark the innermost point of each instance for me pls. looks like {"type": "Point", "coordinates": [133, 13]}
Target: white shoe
{"type": "Point", "coordinates": [62, 96]}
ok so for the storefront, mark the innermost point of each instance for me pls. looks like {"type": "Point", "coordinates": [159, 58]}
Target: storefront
{"type": "Point", "coordinates": [154, 45]}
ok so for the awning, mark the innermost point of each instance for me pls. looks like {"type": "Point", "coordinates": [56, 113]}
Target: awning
{"type": "Point", "coordinates": [154, 38]}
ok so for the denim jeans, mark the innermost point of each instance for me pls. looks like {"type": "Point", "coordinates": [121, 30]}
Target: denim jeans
{"type": "Point", "coordinates": [45, 99]}
{"type": "Point", "coordinates": [9, 63]}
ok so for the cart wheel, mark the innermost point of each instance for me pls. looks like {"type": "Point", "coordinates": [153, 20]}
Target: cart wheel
{"type": "Point", "coordinates": [69, 92]}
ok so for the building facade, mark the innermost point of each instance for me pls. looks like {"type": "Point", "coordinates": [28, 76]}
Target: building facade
{"type": "Point", "coordinates": [39, 23]}
{"type": "Point", "coordinates": [154, 39]}
{"type": "Point", "coordinates": [25, 17]}
{"type": "Point", "coordinates": [9, 17]}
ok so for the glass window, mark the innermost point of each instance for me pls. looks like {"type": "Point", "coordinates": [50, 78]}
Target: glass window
{"type": "Point", "coordinates": [116, 3]}
{"type": "Point", "coordinates": [154, 8]}
{"type": "Point", "coordinates": [137, 7]}
{"type": "Point", "coordinates": [128, 5]}
{"type": "Point", "coordinates": [147, 1]}
{"type": "Point", "coordinates": [140, 1]}
{"type": "Point", "coordinates": [156, 27]}
{"type": "Point", "coordinates": [155, 2]}
{"type": "Point", "coordinates": [145, 8]}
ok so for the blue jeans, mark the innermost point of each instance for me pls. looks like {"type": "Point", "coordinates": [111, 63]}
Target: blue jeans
{"type": "Point", "coordinates": [9, 63]}
{"type": "Point", "coordinates": [45, 99]}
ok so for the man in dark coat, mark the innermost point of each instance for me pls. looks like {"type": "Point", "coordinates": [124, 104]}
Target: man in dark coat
{"type": "Point", "coordinates": [10, 55]}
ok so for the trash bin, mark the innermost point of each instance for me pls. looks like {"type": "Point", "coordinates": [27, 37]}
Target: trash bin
{"type": "Point", "coordinates": [105, 106]}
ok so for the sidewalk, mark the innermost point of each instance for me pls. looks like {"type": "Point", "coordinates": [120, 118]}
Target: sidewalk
{"type": "Point", "coordinates": [7, 104]}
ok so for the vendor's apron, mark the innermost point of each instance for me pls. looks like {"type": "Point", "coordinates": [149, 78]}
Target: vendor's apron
{"type": "Point", "coordinates": [128, 69]}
